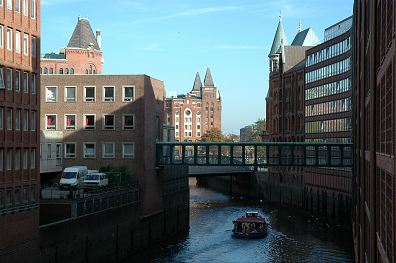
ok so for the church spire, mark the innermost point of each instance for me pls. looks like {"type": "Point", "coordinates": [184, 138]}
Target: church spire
{"type": "Point", "coordinates": [197, 83]}
{"type": "Point", "coordinates": [208, 82]}
{"type": "Point", "coordinates": [279, 39]}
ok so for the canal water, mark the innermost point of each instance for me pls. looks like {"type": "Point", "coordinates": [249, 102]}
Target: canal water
{"type": "Point", "coordinates": [292, 237]}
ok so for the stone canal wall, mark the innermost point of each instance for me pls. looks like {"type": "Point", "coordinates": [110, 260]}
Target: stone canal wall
{"type": "Point", "coordinates": [117, 233]}
{"type": "Point", "coordinates": [292, 194]}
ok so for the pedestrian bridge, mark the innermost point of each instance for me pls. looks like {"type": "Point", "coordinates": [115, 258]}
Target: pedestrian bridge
{"type": "Point", "coordinates": [254, 154]}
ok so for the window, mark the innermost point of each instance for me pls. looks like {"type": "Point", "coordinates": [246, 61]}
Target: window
{"type": "Point", "coordinates": [33, 159]}
{"type": "Point", "coordinates": [33, 9]}
{"type": "Point", "coordinates": [2, 84]}
{"type": "Point", "coordinates": [108, 93]}
{"type": "Point", "coordinates": [18, 81]}
{"type": "Point", "coordinates": [26, 44]}
{"type": "Point", "coordinates": [33, 120]}
{"type": "Point", "coordinates": [1, 118]}
{"type": "Point", "coordinates": [128, 150]}
{"type": "Point", "coordinates": [128, 94]}
{"type": "Point", "coordinates": [51, 93]}
{"type": "Point", "coordinates": [18, 42]}
{"type": "Point", "coordinates": [61, 71]}
{"type": "Point", "coordinates": [9, 159]}
{"type": "Point", "coordinates": [34, 47]}
{"type": "Point", "coordinates": [70, 150]}
{"type": "Point", "coordinates": [26, 82]}
{"type": "Point", "coordinates": [25, 158]}
{"type": "Point", "coordinates": [25, 195]}
{"type": "Point", "coordinates": [9, 198]}
{"type": "Point", "coordinates": [17, 119]}
{"type": "Point", "coordinates": [9, 38]}
{"type": "Point", "coordinates": [17, 197]}
{"type": "Point", "coordinates": [108, 150]}
{"type": "Point", "coordinates": [66, 71]}
{"type": "Point", "coordinates": [89, 122]}
{"type": "Point", "coordinates": [89, 94]}
{"type": "Point", "coordinates": [33, 194]}
{"type": "Point", "coordinates": [1, 36]}
{"type": "Point", "coordinates": [25, 120]}
{"type": "Point", "coordinates": [18, 159]}
{"type": "Point", "coordinates": [34, 83]}
{"type": "Point", "coordinates": [9, 78]}
{"type": "Point", "coordinates": [9, 120]}
{"type": "Point", "coordinates": [18, 6]}
{"type": "Point", "coordinates": [89, 150]}
{"type": "Point", "coordinates": [1, 160]}
{"type": "Point", "coordinates": [58, 154]}
{"type": "Point", "coordinates": [51, 71]}
{"type": "Point", "coordinates": [70, 94]}
{"type": "Point", "coordinates": [9, 4]}
{"type": "Point", "coordinates": [108, 122]}
{"type": "Point", "coordinates": [70, 122]}
{"type": "Point", "coordinates": [49, 151]}
{"type": "Point", "coordinates": [25, 7]}
{"type": "Point", "coordinates": [45, 71]}
{"type": "Point", "coordinates": [128, 121]}
{"type": "Point", "coordinates": [72, 71]}
{"type": "Point", "coordinates": [51, 122]}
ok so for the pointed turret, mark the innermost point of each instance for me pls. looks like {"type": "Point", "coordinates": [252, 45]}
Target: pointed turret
{"type": "Point", "coordinates": [197, 83]}
{"type": "Point", "coordinates": [83, 36]}
{"type": "Point", "coordinates": [279, 39]}
{"type": "Point", "coordinates": [208, 82]}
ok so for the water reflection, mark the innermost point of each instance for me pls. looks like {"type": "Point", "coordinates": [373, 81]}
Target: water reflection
{"type": "Point", "coordinates": [291, 236]}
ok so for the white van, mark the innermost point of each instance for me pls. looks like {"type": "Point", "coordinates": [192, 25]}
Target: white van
{"type": "Point", "coordinates": [72, 177]}
{"type": "Point", "coordinates": [95, 180]}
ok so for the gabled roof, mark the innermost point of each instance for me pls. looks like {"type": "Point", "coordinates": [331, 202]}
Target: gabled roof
{"type": "Point", "coordinates": [197, 83]}
{"type": "Point", "coordinates": [83, 36]}
{"type": "Point", "coordinates": [306, 37]}
{"type": "Point", "coordinates": [208, 82]}
{"type": "Point", "coordinates": [279, 39]}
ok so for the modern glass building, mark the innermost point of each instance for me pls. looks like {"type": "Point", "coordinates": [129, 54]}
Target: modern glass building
{"type": "Point", "coordinates": [328, 117]}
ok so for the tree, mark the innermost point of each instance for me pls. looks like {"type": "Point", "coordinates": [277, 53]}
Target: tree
{"type": "Point", "coordinates": [213, 135]}
{"type": "Point", "coordinates": [259, 127]}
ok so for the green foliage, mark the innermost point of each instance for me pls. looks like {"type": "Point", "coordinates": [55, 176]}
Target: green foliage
{"type": "Point", "coordinates": [119, 175]}
{"type": "Point", "coordinates": [259, 127]}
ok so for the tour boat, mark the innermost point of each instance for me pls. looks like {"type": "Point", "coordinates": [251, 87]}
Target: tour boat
{"type": "Point", "coordinates": [252, 225]}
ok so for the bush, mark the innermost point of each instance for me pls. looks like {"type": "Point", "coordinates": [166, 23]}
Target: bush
{"type": "Point", "coordinates": [118, 175]}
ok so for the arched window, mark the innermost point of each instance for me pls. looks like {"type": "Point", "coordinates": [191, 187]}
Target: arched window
{"type": "Point", "coordinates": [66, 71]}
{"type": "Point", "coordinates": [51, 71]}
{"type": "Point", "coordinates": [61, 71]}
{"type": "Point", "coordinates": [86, 71]}
{"type": "Point", "coordinates": [72, 71]}
{"type": "Point", "coordinates": [41, 70]}
{"type": "Point", "coordinates": [94, 72]}
{"type": "Point", "coordinates": [90, 69]}
{"type": "Point", "coordinates": [45, 71]}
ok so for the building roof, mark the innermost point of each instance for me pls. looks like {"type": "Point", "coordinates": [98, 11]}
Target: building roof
{"type": "Point", "coordinates": [197, 83]}
{"type": "Point", "coordinates": [292, 56]}
{"type": "Point", "coordinates": [280, 38]}
{"type": "Point", "coordinates": [83, 36]}
{"type": "Point", "coordinates": [208, 82]}
{"type": "Point", "coordinates": [306, 37]}
{"type": "Point", "coordinates": [54, 56]}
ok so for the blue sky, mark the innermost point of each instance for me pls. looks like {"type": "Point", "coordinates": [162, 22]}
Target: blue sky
{"type": "Point", "coordinates": [173, 39]}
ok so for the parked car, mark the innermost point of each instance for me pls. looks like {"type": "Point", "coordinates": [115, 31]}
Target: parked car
{"type": "Point", "coordinates": [73, 177]}
{"type": "Point", "coordinates": [95, 180]}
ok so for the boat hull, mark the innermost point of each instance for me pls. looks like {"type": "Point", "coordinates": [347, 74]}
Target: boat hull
{"type": "Point", "coordinates": [250, 235]}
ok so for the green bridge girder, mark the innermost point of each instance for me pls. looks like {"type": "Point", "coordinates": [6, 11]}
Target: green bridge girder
{"type": "Point", "coordinates": [256, 154]}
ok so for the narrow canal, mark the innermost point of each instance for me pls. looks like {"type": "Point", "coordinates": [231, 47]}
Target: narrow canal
{"type": "Point", "coordinates": [292, 237]}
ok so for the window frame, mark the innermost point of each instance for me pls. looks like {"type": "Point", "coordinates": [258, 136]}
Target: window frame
{"type": "Point", "coordinates": [123, 122]}
{"type": "Point", "coordinates": [104, 152]}
{"type": "Point", "coordinates": [65, 122]}
{"type": "Point", "coordinates": [104, 94]}
{"type": "Point", "coordinates": [123, 150]}
{"type": "Point", "coordinates": [85, 123]}
{"type": "Point", "coordinates": [46, 94]}
{"type": "Point", "coordinates": [65, 150]}
{"type": "Point", "coordinates": [84, 148]}
{"type": "Point", "coordinates": [56, 122]}
{"type": "Point", "coordinates": [124, 99]}
{"type": "Point", "coordinates": [104, 127]}
{"type": "Point", "coordinates": [75, 93]}
{"type": "Point", "coordinates": [9, 38]}
{"type": "Point", "coordinates": [85, 94]}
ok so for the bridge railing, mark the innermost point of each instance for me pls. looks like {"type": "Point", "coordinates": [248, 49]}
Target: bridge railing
{"type": "Point", "coordinates": [258, 154]}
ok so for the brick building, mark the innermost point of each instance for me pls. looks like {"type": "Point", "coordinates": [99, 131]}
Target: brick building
{"type": "Point", "coordinates": [195, 113]}
{"type": "Point", "coordinates": [328, 118]}
{"type": "Point", "coordinates": [19, 125]}
{"type": "Point", "coordinates": [374, 131]}
{"type": "Point", "coordinates": [103, 120]}
{"type": "Point", "coordinates": [83, 54]}
{"type": "Point", "coordinates": [285, 107]}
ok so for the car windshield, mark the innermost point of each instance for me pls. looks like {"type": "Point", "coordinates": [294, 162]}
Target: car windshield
{"type": "Point", "coordinates": [92, 177]}
{"type": "Point", "coordinates": [69, 175]}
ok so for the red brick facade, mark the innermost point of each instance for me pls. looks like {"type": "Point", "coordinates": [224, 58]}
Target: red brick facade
{"type": "Point", "coordinates": [19, 127]}
{"type": "Point", "coordinates": [83, 55]}
{"type": "Point", "coordinates": [195, 113]}
{"type": "Point", "coordinates": [374, 119]}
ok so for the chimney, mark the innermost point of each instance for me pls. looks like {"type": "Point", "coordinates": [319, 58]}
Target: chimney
{"type": "Point", "coordinates": [99, 39]}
